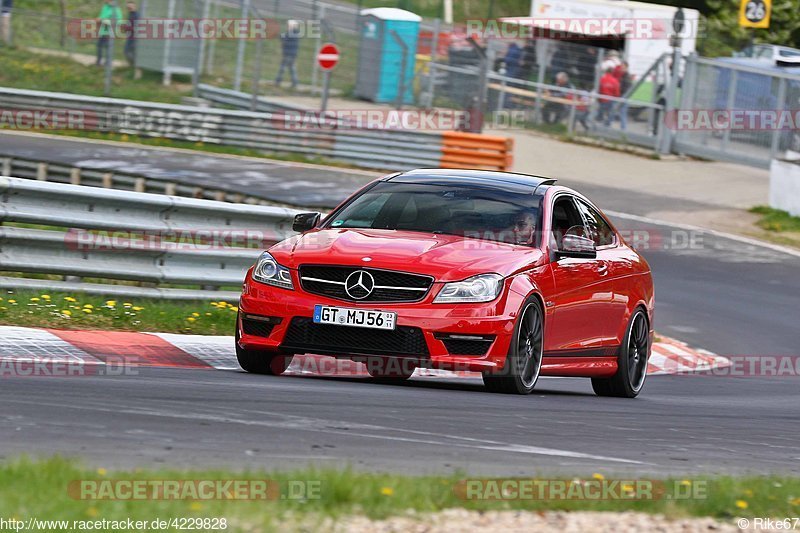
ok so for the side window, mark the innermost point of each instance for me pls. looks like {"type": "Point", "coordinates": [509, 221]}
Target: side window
{"type": "Point", "coordinates": [597, 227]}
{"type": "Point", "coordinates": [565, 218]}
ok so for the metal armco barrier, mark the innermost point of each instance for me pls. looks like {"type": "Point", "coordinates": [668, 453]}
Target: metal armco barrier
{"type": "Point", "coordinates": [372, 148]}
{"type": "Point", "coordinates": [121, 235]}
{"type": "Point", "coordinates": [44, 170]}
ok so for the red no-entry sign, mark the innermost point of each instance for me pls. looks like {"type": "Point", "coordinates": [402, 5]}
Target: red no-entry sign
{"type": "Point", "coordinates": [328, 56]}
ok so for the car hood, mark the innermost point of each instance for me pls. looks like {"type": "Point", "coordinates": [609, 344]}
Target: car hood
{"type": "Point", "coordinates": [445, 257]}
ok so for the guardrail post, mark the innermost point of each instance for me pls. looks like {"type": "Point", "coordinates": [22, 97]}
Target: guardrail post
{"type": "Point", "coordinates": [108, 180]}
{"type": "Point", "coordinates": [139, 185]}
{"type": "Point", "coordinates": [75, 176]}
{"type": "Point", "coordinates": [219, 196]}
{"type": "Point", "coordinates": [41, 172]}
{"type": "Point", "coordinates": [6, 166]}
{"type": "Point", "coordinates": [170, 189]}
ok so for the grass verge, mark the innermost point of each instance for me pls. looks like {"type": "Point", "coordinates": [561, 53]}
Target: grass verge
{"type": "Point", "coordinates": [776, 220]}
{"type": "Point", "coordinates": [22, 69]}
{"type": "Point", "coordinates": [81, 311]}
{"type": "Point", "coordinates": [41, 489]}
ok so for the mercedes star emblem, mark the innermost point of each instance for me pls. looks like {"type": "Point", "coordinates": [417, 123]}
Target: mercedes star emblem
{"type": "Point", "coordinates": [359, 284]}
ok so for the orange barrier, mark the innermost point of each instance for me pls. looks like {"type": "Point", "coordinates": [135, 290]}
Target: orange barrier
{"type": "Point", "coordinates": [476, 150]}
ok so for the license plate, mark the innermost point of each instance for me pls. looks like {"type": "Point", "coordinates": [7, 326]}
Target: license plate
{"type": "Point", "coordinates": [360, 318]}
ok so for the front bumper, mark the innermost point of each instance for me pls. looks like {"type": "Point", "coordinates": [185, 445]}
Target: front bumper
{"type": "Point", "coordinates": [436, 327]}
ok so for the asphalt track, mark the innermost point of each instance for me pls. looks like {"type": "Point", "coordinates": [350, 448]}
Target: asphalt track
{"type": "Point", "coordinates": [721, 294]}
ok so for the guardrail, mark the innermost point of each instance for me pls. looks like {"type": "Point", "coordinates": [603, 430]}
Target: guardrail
{"type": "Point", "coordinates": [372, 148]}
{"type": "Point", "coordinates": [56, 172]}
{"type": "Point", "coordinates": [120, 235]}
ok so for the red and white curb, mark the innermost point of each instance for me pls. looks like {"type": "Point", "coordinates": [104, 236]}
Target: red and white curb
{"type": "Point", "coordinates": [32, 345]}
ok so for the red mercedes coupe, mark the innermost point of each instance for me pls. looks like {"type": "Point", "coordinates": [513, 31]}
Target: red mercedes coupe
{"type": "Point", "coordinates": [467, 270]}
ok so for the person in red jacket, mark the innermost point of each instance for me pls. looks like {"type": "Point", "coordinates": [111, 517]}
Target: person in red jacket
{"type": "Point", "coordinates": [609, 86]}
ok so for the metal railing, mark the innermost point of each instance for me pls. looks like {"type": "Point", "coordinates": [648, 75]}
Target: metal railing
{"type": "Point", "coordinates": [269, 132]}
{"type": "Point", "coordinates": [174, 185]}
{"type": "Point", "coordinates": [128, 236]}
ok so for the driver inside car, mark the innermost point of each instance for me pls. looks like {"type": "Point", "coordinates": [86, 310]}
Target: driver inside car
{"type": "Point", "coordinates": [523, 230]}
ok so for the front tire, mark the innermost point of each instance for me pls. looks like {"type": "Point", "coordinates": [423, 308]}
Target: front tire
{"type": "Point", "coordinates": [261, 361]}
{"type": "Point", "coordinates": [631, 363]}
{"type": "Point", "coordinates": [524, 360]}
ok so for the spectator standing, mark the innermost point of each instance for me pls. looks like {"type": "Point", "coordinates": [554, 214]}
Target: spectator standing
{"type": "Point", "coordinates": [554, 111]}
{"type": "Point", "coordinates": [5, 21]}
{"type": "Point", "coordinates": [290, 44]}
{"type": "Point", "coordinates": [513, 60]}
{"type": "Point", "coordinates": [130, 43]}
{"type": "Point", "coordinates": [110, 14]}
{"type": "Point", "coordinates": [609, 86]}
{"type": "Point", "coordinates": [625, 82]}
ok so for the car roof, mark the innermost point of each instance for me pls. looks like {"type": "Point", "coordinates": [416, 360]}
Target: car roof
{"type": "Point", "coordinates": [489, 179]}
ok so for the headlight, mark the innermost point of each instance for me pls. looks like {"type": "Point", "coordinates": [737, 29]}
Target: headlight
{"type": "Point", "coordinates": [482, 288]}
{"type": "Point", "coordinates": [268, 271]}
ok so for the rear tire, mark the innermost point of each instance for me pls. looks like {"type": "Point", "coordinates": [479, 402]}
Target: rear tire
{"type": "Point", "coordinates": [261, 361]}
{"type": "Point", "coordinates": [632, 361]}
{"type": "Point", "coordinates": [524, 361]}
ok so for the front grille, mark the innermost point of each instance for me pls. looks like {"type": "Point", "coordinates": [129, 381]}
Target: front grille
{"type": "Point", "coordinates": [257, 328]}
{"type": "Point", "coordinates": [389, 286]}
{"type": "Point", "coordinates": [306, 336]}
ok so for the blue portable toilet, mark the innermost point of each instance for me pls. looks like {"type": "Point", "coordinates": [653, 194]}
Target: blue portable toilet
{"type": "Point", "coordinates": [380, 56]}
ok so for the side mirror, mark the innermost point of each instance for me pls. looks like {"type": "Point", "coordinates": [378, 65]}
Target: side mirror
{"type": "Point", "coordinates": [577, 246]}
{"type": "Point", "coordinates": [305, 221]}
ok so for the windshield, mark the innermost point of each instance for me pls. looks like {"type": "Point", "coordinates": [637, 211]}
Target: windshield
{"type": "Point", "coordinates": [489, 214]}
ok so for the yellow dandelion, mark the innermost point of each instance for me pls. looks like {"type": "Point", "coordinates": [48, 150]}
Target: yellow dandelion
{"type": "Point", "coordinates": [91, 511]}
{"type": "Point", "coordinates": [195, 314]}
{"type": "Point", "coordinates": [191, 319]}
{"type": "Point", "coordinates": [66, 312]}
{"type": "Point", "coordinates": [12, 301]}
{"type": "Point", "coordinates": [598, 476]}
{"type": "Point", "coordinates": [4, 308]}
{"type": "Point", "coordinates": [387, 491]}
{"type": "Point", "coordinates": [102, 471]}
{"type": "Point", "coordinates": [741, 504]}
{"type": "Point", "coordinates": [88, 306]}
{"type": "Point", "coordinates": [795, 502]}
{"type": "Point", "coordinates": [45, 296]}
{"type": "Point", "coordinates": [87, 311]}
{"type": "Point", "coordinates": [137, 308]}
{"type": "Point", "coordinates": [70, 299]}
{"type": "Point", "coordinates": [627, 488]}
{"type": "Point", "coordinates": [196, 506]}
{"type": "Point", "coordinates": [34, 299]}
{"type": "Point", "coordinates": [686, 482]}
{"type": "Point", "coordinates": [748, 493]}
{"type": "Point", "coordinates": [208, 314]}
{"type": "Point", "coordinates": [127, 304]}
{"type": "Point", "coordinates": [111, 303]}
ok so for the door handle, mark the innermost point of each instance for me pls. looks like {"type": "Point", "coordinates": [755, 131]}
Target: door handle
{"type": "Point", "coordinates": [602, 269]}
